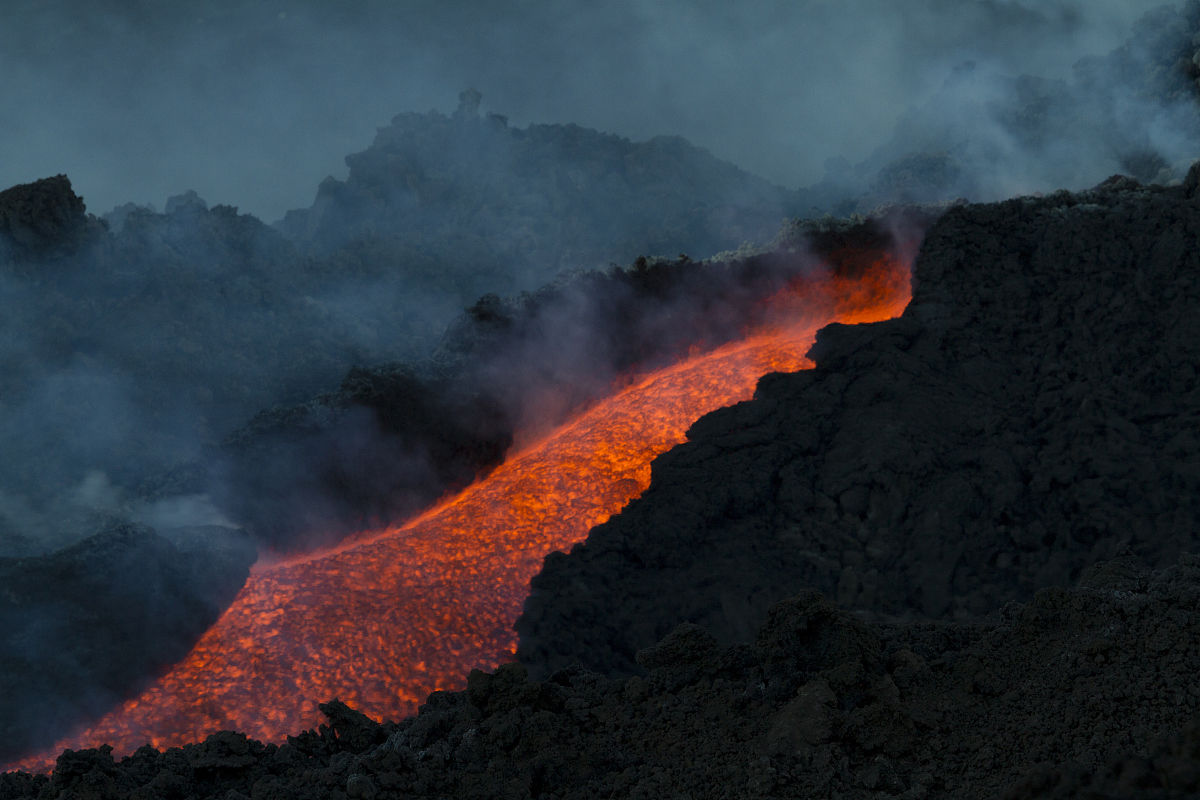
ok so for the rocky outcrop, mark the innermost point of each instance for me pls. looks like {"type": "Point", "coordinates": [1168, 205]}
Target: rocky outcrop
{"type": "Point", "coordinates": [509, 208]}
{"type": "Point", "coordinates": [1081, 692]}
{"type": "Point", "coordinates": [1033, 411]}
{"type": "Point", "coordinates": [42, 219]}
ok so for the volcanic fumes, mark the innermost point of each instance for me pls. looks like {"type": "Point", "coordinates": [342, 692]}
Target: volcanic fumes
{"type": "Point", "coordinates": [381, 621]}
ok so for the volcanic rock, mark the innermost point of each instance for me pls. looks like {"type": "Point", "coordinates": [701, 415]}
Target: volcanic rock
{"type": "Point", "coordinates": [510, 207]}
{"type": "Point", "coordinates": [1087, 691]}
{"type": "Point", "coordinates": [41, 219]}
{"type": "Point", "coordinates": [1032, 412]}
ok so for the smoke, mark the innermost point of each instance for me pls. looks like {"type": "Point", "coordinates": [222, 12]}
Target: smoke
{"type": "Point", "coordinates": [146, 348]}
{"type": "Point", "coordinates": [987, 134]}
{"type": "Point", "coordinates": [129, 355]}
{"type": "Point", "coordinates": [252, 104]}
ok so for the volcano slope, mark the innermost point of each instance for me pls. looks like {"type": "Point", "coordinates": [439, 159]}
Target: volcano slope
{"type": "Point", "coordinates": [1029, 421]}
{"type": "Point", "coordinates": [1033, 411]}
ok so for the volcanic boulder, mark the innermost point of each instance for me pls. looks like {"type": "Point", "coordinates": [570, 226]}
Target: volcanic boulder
{"type": "Point", "coordinates": [1033, 411]}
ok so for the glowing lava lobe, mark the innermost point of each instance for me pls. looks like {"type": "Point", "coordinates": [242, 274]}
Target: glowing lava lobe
{"type": "Point", "coordinates": [382, 621]}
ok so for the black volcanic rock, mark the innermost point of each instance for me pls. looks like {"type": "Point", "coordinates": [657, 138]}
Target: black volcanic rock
{"type": "Point", "coordinates": [40, 219]}
{"type": "Point", "coordinates": [81, 628]}
{"type": "Point", "coordinates": [1087, 692]}
{"type": "Point", "coordinates": [1033, 411]}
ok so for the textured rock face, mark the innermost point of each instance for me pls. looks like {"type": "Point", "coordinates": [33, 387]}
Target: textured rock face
{"type": "Point", "coordinates": [41, 218]}
{"type": "Point", "coordinates": [1033, 411]}
{"type": "Point", "coordinates": [1083, 690]}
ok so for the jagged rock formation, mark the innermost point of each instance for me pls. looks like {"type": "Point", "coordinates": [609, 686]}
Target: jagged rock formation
{"type": "Point", "coordinates": [1084, 692]}
{"type": "Point", "coordinates": [81, 629]}
{"type": "Point", "coordinates": [512, 207]}
{"type": "Point", "coordinates": [41, 219]}
{"type": "Point", "coordinates": [1033, 411]}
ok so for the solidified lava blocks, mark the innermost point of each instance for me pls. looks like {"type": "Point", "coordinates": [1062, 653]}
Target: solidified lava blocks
{"type": "Point", "coordinates": [1034, 410]}
{"type": "Point", "coordinates": [1087, 692]}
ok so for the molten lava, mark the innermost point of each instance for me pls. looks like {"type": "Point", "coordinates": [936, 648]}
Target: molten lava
{"type": "Point", "coordinates": [382, 621]}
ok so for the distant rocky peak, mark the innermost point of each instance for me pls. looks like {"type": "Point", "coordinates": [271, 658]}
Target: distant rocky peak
{"type": "Point", "coordinates": [468, 103]}
{"type": "Point", "coordinates": [188, 202]}
{"type": "Point", "coordinates": [42, 218]}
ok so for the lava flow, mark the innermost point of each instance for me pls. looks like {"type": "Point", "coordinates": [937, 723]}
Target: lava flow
{"type": "Point", "coordinates": [384, 620]}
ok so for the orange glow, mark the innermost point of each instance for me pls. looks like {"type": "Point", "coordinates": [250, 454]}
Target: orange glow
{"type": "Point", "coordinates": [381, 621]}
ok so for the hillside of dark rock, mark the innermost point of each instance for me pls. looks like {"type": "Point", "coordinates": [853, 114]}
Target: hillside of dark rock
{"type": "Point", "coordinates": [1088, 692]}
{"type": "Point", "coordinates": [41, 220]}
{"type": "Point", "coordinates": [1033, 411]}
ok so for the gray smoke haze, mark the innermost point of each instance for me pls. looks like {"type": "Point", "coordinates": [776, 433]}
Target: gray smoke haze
{"type": "Point", "coordinates": [252, 104]}
{"type": "Point", "coordinates": [182, 325]}
{"type": "Point", "coordinates": [164, 334]}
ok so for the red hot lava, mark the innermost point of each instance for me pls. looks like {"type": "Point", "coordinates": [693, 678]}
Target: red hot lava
{"type": "Point", "coordinates": [384, 620]}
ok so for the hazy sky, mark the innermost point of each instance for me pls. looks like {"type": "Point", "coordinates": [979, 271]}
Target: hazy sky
{"type": "Point", "coordinates": [253, 103]}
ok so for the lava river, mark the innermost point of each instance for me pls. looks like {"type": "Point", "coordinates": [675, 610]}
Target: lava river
{"type": "Point", "coordinates": [382, 621]}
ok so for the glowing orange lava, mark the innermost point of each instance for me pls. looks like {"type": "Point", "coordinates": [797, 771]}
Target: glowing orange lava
{"type": "Point", "coordinates": [382, 621]}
